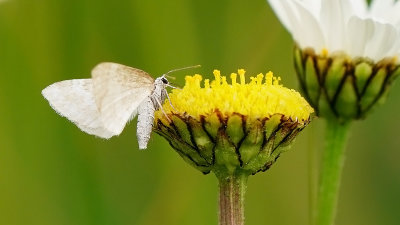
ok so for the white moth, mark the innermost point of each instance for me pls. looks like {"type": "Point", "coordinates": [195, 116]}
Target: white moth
{"type": "Point", "coordinates": [103, 105]}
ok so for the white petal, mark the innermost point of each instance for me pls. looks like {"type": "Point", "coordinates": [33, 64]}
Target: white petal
{"type": "Point", "coordinates": [395, 14]}
{"type": "Point", "coordinates": [333, 15]}
{"type": "Point", "coordinates": [359, 7]}
{"type": "Point", "coordinates": [348, 25]}
{"type": "Point", "coordinates": [379, 7]}
{"type": "Point", "coordinates": [396, 48]}
{"type": "Point", "coordinates": [359, 32]}
{"type": "Point", "coordinates": [283, 12]}
{"type": "Point", "coordinates": [308, 32]}
{"type": "Point", "coordinates": [386, 11]}
{"type": "Point", "coordinates": [314, 6]}
{"type": "Point", "coordinates": [391, 14]}
{"type": "Point", "coordinates": [382, 42]}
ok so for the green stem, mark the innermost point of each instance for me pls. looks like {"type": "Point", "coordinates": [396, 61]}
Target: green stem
{"type": "Point", "coordinates": [331, 169]}
{"type": "Point", "coordinates": [312, 178]}
{"type": "Point", "coordinates": [231, 198]}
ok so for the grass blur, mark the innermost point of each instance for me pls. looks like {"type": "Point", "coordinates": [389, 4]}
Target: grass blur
{"type": "Point", "coordinates": [52, 173]}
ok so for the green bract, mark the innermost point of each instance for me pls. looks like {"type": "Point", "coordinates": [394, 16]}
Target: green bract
{"type": "Point", "coordinates": [229, 145]}
{"type": "Point", "coordinates": [343, 88]}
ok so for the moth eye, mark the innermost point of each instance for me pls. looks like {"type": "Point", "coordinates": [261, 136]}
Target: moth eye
{"type": "Point", "coordinates": [164, 80]}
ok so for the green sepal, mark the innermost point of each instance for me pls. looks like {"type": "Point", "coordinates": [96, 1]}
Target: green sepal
{"type": "Point", "coordinates": [334, 76]}
{"type": "Point", "coordinates": [362, 72]}
{"type": "Point", "coordinates": [272, 124]}
{"type": "Point", "coordinates": [394, 74]}
{"type": "Point", "coordinates": [298, 63]}
{"type": "Point", "coordinates": [224, 146]}
{"type": "Point", "coordinates": [346, 103]}
{"type": "Point", "coordinates": [261, 162]}
{"type": "Point", "coordinates": [235, 129]}
{"type": "Point", "coordinates": [212, 123]}
{"type": "Point", "coordinates": [312, 84]}
{"type": "Point", "coordinates": [325, 107]}
{"type": "Point", "coordinates": [322, 65]}
{"type": "Point", "coordinates": [251, 144]}
{"type": "Point", "coordinates": [226, 157]}
{"type": "Point", "coordinates": [287, 134]}
{"type": "Point", "coordinates": [348, 87]}
{"type": "Point", "coordinates": [185, 150]}
{"type": "Point", "coordinates": [284, 131]}
{"type": "Point", "coordinates": [182, 129]}
{"type": "Point", "coordinates": [262, 159]}
{"type": "Point", "coordinates": [203, 168]}
{"type": "Point", "coordinates": [373, 89]}
{"type": "Point", "coordinates": [201, 139]}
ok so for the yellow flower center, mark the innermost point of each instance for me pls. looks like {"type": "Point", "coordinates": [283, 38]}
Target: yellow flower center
{"type": "Point", "coordinates": [262, 97]}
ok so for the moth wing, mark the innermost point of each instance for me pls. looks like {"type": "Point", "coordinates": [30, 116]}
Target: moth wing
{"type": "Point", "coordinates": [74, 100]}
{"type": "Point", "coordinates": [118, 92]}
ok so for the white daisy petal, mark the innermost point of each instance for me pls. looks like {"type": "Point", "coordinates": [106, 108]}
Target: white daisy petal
{"type": "Point", "coordinates": [396, 47]}
{"type": "Point", "coordinates": [283, 11]}
{"type": "Point", "coordinates": [392, 15]}
{"type": "Point", "coordinates": [313, 6]}
{"type": "Point", "coordinates": [349, 26]}
{"type": "Point", "coordinates": [310, 33]}
{"type": "Point", "coordinates": [332, 20]}
{"type": "Point", "coordinates": [359, 33]}
{"type": "Point", "coordinates": [382, 41]}
{"type": "Point", "coordinates": [359, 7]}
{"type": "Point", "coordinates": [379, 8]}
{"type": "Point", "coordinates": [300, 22]}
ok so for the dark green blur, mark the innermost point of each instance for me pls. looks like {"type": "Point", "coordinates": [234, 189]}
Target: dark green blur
{"type": "Point", "coordinates": [51, 173]}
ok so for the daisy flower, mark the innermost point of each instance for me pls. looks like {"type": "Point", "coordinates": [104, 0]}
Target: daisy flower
{"type": "Point", "coordinates": [228, 127]}
{"type": "Point", "coordinates": [233, 129]}
{"type": "Point", "coordinates": [346, 53]}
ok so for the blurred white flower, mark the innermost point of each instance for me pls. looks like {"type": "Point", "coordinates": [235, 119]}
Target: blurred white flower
{"type": "Point", "coordinates": [343, 25]}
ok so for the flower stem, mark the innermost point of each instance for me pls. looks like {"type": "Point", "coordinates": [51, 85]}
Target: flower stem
{"type": "Point", "coordinates": [232, 189]}
{"type": "Point", "coordinates": [331, 169]}
{"type": "Point", "coordinates": [312, 178]}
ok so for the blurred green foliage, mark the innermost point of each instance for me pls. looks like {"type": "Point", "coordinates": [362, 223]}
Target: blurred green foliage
{"type": "Point", "coordinates": [52, 173]}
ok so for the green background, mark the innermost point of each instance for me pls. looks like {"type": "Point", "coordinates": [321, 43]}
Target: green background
{"type": "Point", "coordinates": [52, 173]}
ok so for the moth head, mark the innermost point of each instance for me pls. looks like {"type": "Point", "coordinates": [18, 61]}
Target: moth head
{"type": "Point", "coordinates": [164, 80]}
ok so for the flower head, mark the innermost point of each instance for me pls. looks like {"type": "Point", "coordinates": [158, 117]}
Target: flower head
{"type": "Point", "coordinates": [347, 52]}
{"type": "Point", "coordinates": [350, 26]}
{"type": "Point", "coordinates": [221, 126]}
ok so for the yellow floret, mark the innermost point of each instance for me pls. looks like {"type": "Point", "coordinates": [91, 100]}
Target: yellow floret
{"type": "Point", "coordinates": [260, 98]}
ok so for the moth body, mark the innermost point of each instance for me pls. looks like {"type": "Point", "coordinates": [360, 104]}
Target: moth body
{"type": "Point", "coordinates": [146, 111]}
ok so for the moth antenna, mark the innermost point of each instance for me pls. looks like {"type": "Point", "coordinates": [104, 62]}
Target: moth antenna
{"type": "Point", "coordinates": [183, 68]}
{"type": "Point", "coordinates": [170, 77]}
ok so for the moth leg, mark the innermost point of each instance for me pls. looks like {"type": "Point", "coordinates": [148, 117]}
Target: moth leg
{"type": "Point", "coordinates": [168, 85]}
{"type": "Point", "coordinates": [162, 110]}
{"type": "Point", "coordinates": [166, 93]}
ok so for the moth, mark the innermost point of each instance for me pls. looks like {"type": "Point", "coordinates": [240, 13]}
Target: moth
{"type": "Point", "coordinates": [104, 104]}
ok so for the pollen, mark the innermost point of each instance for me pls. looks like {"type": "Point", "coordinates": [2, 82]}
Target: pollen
{"type": "Point", "coordinates": [259, 97]}
{"type": "Point", "coordinates": [324, 52]}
